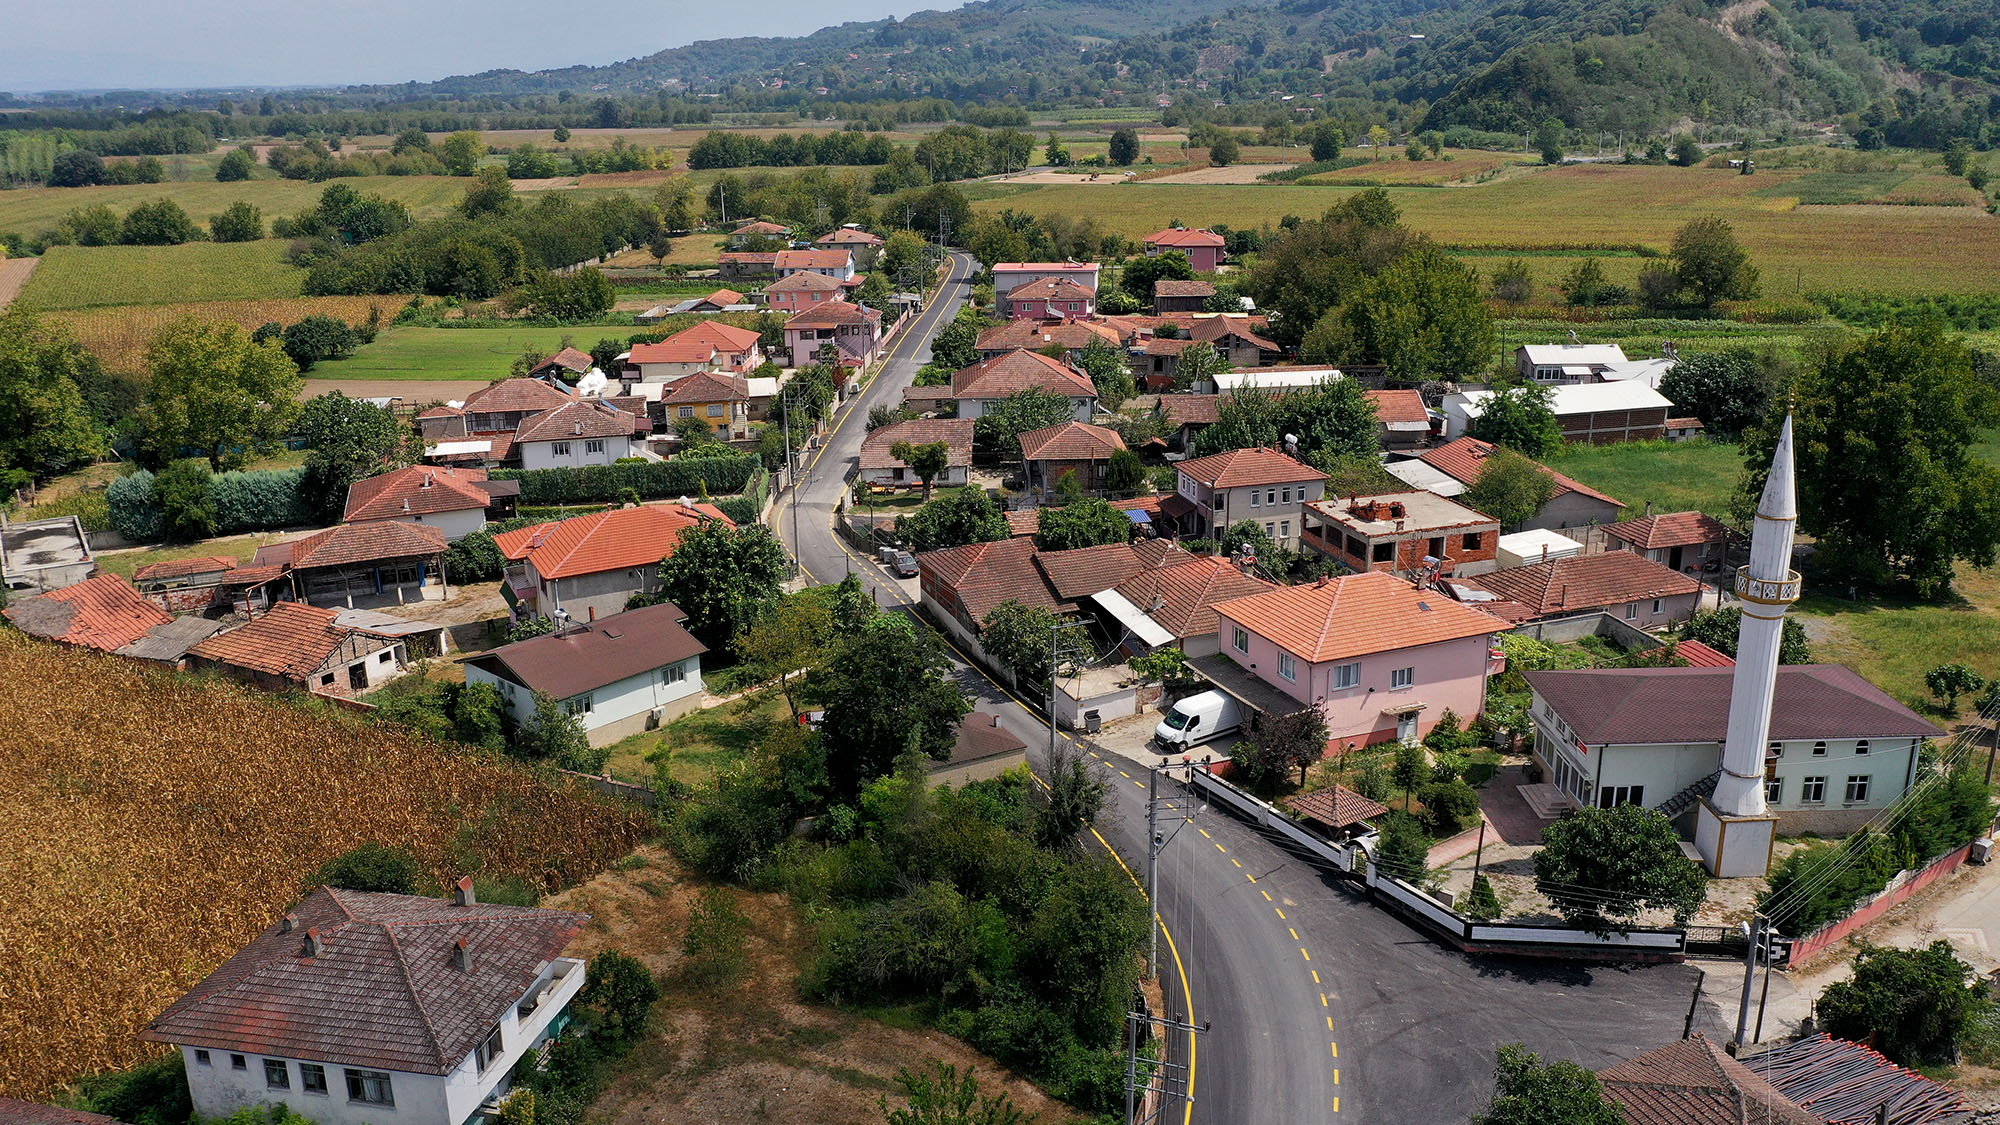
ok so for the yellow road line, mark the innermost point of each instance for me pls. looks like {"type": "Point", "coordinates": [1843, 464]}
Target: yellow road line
{"type": "Point", "coordinates": [1267, 894]}
{"type": "Point", "coordinates": [1294, 933]}
{"type": "Point", "coordinates": [1279, 909]}
{"type": "Point", "coordinates": [1304, 954]}
{"type": "Point", "coordinates": [1236, 861]}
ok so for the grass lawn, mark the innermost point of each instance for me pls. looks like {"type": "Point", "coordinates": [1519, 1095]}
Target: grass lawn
{"type": "Point", "coordinates": [124, 563]}
{"type": "Point", "coordinates": [701, 744]}
{"type": "Point", "coordinates": [79, 277]}
{"type": "Point", "coordinates": [1675, 476]}
{"type": "Point", "coordinates": [457, 353]}
{"type": "Point", "coordinates": [1893, 643]}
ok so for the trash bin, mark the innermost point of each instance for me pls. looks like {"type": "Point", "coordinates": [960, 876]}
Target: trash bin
{"type": "Point", "coordinates": [1982, 850]}
{"type": "Point", "coordinates": [1092, 722]}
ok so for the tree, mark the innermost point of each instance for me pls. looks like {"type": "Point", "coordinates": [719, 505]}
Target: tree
{"type": "Point", "coordinates": [235, 166]}
{"type": "Point", "coordinates": [1510, 488]}
{"type": "Point", "coordinates": [1687, 153]}
{"type": "Point", "coordinates": [461, 152]}
{"type": "Point", "coordinates": [1527, 1091]}
{"type": "Point", "coordinates": [1277, 744]}
{"type": "Point", "coordinates": [1601, 866]}
{"type": "Point", "coordinates": [1327, 141]}
{"type": "Point", "coordinates": [1729, 390]}
{"type": "Point", "coordinates": [1055, 153]}
{"type": "Point", "coordinates": [1450, 807]}
{"type": "Point", "coordinates": [491, 193]}
{"type": "Point", "coordinates": [1549, 140]}
{"type": "Point", "coordinates": [1408, 770]}
{"type": "Point", "coordinates": [1912, 1004]}
{"type": "Point", "coordinates": [887, 691]}
{"type": "Point", "coordinates": [1520, 418]}
{"type": "Point", "coordinates": [789, 637]}
{"type": "Point", "coordinates": [1718, 630]}
{"type": "Point", "coordinates": [1405, 848]}
{"type": "Point", "coordinates": [1125, 473]}
{"type": "Point", "coordinates": [953, 520]}
{"type": "Point", "coordinates": [216, 393]}
{"type": "Point", "coordinates": [1947, 682]}
{"type": "Point", "coordinates": [926, 460]}
{"type": "Point", "coordinates": [346, 439]}
{"type": "Point", "coordinates": [1032, 408]}
{"type": "Point", "coordinates": [956, 346]}
{"type": "Point", "coordinates": [1125, 148]}
{"type": "Point", "coordinates": [1165, 666]}
{"type": "Point", "coordinates": [1659, 286]}
{"type": "Point", "coordinates": [722, 577]}
{"type": "Point", "coordinates": [557, 738]}
{"type": "Point", "coordinates": [159, 223]}
{"type": "Point", "coordinates": [1198, 365]}
{"type": "Point", "coordinates": [1109, 370]}
{"type": "Point", "coordinates": [77, 168]}
{"type": "Point", "coordinates": [619, 993]}
{"type": "Point", "coordinates": [1512, 282]}
{"type": "Point", "coordinates": [318, 337]}
{"type": "Point", "coordinates": [1070, 802]}
{"type": "Point", "coordinates": [1019, 637]}
{"type": "Point", "coordinates": [1882, 428]}
{"type": "Point", "coordinates": [1138, 275]}
{"type": "Point", "coordinates": [582, 294]}
{"type": "Point", "coordinates": [1378, 139]}
{"type": "Point", "coordinates": [1711, 264]}
{"type": "Point", "coordinates": [45, 423]}
{"type": "Point", "coordinates": [187, 510]}
{"type": "Point", "coordinates": [241, 222]}
{"type": "Point", "coordinates": [1586, 285]}
{"type": "Point", "coordinates": [1248, 538]}
{"type": "Point", "coordinates": [1224, 150]}
{"type": "Point", "coordinates": [1484, 902]}
{"type": "Point", "coordinates": [1423, 317]}
{"type": "Point", "coordinates": [375, 867]}
{"type": "Point", "coordinates": [1086, 523]}
{"type": "Point", "coordinates": [561, 134]}
{"type": "Point", "coordinates": [940, 1096]}
{"type": "Point", "coordinates": [89, 226]}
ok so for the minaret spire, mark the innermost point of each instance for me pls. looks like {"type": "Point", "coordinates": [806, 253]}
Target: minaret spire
{"type": "Point", "coordinates": [1767, 588]}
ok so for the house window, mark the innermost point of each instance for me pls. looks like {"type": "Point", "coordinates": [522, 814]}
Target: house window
{"type": "Point", "coordinates": [1656, 605]}
{"type": "Point", "coordinates": [1812, 791]}
{"type": "Point", "coordinates": [277, 1075]}
{"type": "Point", "coordinates": [1270, 496]}
{"type": "Point", "coordinates": [1402, 678]}
{"type": "Point", "coordinates": [1288, 495]}
{"type": "Point", "coordinates": [201, 1058]}
{"type": "Point", "coordinates": [1347, 675]}
{"type": "Point", "coordinates": [1288, 667]}
{"type": "Point", "coordinates": [238, 1062]}
{"type": "Point", "coordinates": [369, 1086]}
{"type": "Point", "coordinates": [1254, 494]}
{"type": "Point", "coordinates": [1611, 796]}
{"type": "Point", "coordinates": [673, 675]}
{"type": "Point", "coordinates": [1631, 611]}
{"type": "Point", "coordinates": [1819, 749]}
{"type": "Point", "coordinates": [593, 446]}
{"type": "Point", "coordinates": [1861, 746]}
{"type": "Point", "coordinates": [1473, 540]}
{"type": "Point", "coordinates": [715, 410]}
{"type": "Point", "coordinates": [1284, 529]}
{"type": "Point", "coordinates": [1241, 639]}
{"type": "Point", "coordinates": [488, 1051]}
{"type": "Point", "coordinates": [1270, 528]}
{"type": "Point", "coordinates": [382, 657]}
{"type": "Point", "coordinates": [1385, 552]}
{"type": "Point", "coordinates": [1774, 790]}
{"type": "Point", "coordinates": [1775, 750]}
{"type": "Point", "coordinates": [559, 449]}
{"type": "Point", "coordinates": [326, 680]}
{"type": "Point", "coordinates": [1857, 788]}
{"type": "Point", "coordinates": [579, 705]}
{"type": "Point", "coordinates": [312, 1078]}
{"type": "Point", "coordinates": [687, 412]}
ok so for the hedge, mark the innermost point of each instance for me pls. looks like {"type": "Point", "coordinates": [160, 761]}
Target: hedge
{"type": "Point", "coordinates": [740, 511]}
{"type": "Point", "coordinates": [133, 513]}
{"type": "Point", "coordinates": [653, 480]}
{"type": "Point", "coordinates": [245, 501]}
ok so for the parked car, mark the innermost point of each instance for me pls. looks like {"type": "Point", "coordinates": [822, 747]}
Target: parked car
{"type": "Point", "coordinates": [905, 565]}
{"type": "Point", "coordinates": [1197, 719]}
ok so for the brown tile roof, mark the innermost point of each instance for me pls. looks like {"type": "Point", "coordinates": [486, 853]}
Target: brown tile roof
{"type": "Point", "coordinates": [1632, 705]}
{"type": "Point", "coordinates": [1353, 616]}
{"type": "Point", "coordinates": [1184, 236]}
{"type": "Point", "coordinates": [1050, 267]}
{"type": "Point", "coordinates": [614, 540]}
{"type": "Point", "coordinates": [1018, 370]}
{"type": "Point", "coordinates": [16, 1112]}
{"type": "Point", "coordinates": [954, 432]}
{"type": "Point", "coordinates": [980, 736]}
{"type": "Point", "coordinates": [576, 420]}
{"type": "Point", "coordinates": [1070, 441]}
{"type": "Point", "coordinates": [928, 397]}
{"type": "Point", "coordinates": [1585, 582]}
{"type": "Point", "coordinates": [1669, 529]}
{"type": "Point", "coordinates": [416, 490]}
{"type": "Point", "coordinates": [814, 259]}
{"type": "Point", "coordinates": [723, 298]}
{"type": "Point", "coordinates": [586, 657]}
{"type": "Point", "coordinates": [672, 350]}
{"type": "Point", "coordinates": [1188, 593]}
{"type": "Point", "coordinates": [292, 640]}
{"type": "Point", "coordinates": [1161, 345]}
{"type": "Point", "coordinates": [1338, 807]}
{"type": "Point", "coordinates": [569, 359]}
{"type": "Point", "coordinates": [986, 574]}
{"type": "Point", "coordinates": [805, 283]}
{"type": "Point", "coordinates": [1699, 655]}
{"type": "Point", "coordinates": [1685, 424]}
{"type": "Point", "coordinates": [1088, 570]}
{"type": "Point", "coordinates": [1237, 468]}
{"type": "Point", "coordinates": [516, 396]}
{"type": "Point", "coordinates": [747, 258]}
{"type": "Point", "coordinates": [759, 226]}
{"type": "Point", "coordinates": [834, 314]}
{"type": "Point", "coordinates": [182, 568]}
{"type": "Point", "coordinates": [383, 990]}
{"type": "Point", "coordinates": [709, 386]}
{"type": "Point", "coordinates": [1051, 289]}
{"type": "Point", "coordinates": [1398, 406]}
{"type": "Point", "coordinates": [350, 543]}
{"type": "Point", "coordinates": [1211, 329]}
{"type": "Point", "coordinates": [1692, 1082]}
{"type": "Point", "coordinates": [1073, 335]}
{"type": "Point", "coordinates": [1027, 521]}
{"type": "Point", "coordinates": [1169, 288]}
{"type": "Point", "coordinates": [1462, 460]}
{"type": "Point", "coordinates": [441, 412]}
{"type": "Point", "coordinates": [1191, 410]}
{"type": "Point", "coordinates": [103, 612]}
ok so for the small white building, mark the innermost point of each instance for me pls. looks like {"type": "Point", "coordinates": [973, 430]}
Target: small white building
{"type": "Point", "coordinates": [575, 436]}
{"type": "Point", "coordinates": [366, 1009]}
{"type": "Point", "coordinates": [618, 675]}
{"type": "Point", "coordinates": [1597, 413]}
{"type": "Point", "coordinates": [1274, 380]}
{"type": "Point", "coordinates": [1526, 548]}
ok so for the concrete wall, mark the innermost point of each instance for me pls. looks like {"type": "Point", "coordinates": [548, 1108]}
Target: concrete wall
{"type": "Point", "coordinates": [544, 455]}
{"type": "Point", "coordinates": [1571, 509]}
{"type": "Point", "coordinates": [590, 596]}
{"type": "Point", "coordinates": [1567, 630]}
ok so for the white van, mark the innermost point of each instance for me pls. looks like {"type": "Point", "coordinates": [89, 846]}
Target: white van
{"type": "Point", "coordinates": [1197, 719]}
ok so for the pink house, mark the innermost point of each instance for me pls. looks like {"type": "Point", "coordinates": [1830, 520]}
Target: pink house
{"type": "Point", "coordinates": [1053, 298]}
{"type": "Point", "coordinates": [800, 291]}
{"type": "Point", "coordinates": [1379, 657]}
{"type": "Point", "coordinates": [1202, 247]}
{"type": "Point", "coordinates": [855, 329]}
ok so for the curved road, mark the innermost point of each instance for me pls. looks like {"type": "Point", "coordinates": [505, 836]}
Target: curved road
{"type": "Point", "coordinates": [1321, 1006]}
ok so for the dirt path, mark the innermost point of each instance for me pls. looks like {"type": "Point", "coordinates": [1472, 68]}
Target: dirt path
{"type": "Point", "coordinates": [1228, 174]}
{"type": "Point", "coordinates": [13, 275]}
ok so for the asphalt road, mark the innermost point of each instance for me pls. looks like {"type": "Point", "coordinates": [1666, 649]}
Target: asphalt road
{"type": "Point", "coordinates": [1321, 1006]}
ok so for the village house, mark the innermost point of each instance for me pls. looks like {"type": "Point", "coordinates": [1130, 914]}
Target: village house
{"type": "Point", "coordinates": [186, 585]}
{"type": "Point", "coordinates": [1240, 339]}
{"type": "Point", "coordinates": [739, 265]}
{"type": "Point", "coordinates": [721, 402]}
{"type": "Point", "coordinates": [864, 245]}
{"type": "Point", "coordinates": [1204, 248]}
{"type": "Point", "coordinates": [461, 998]}
{"type": "Point", "coordinates": [722, 300]}
{"type": "Point", "coordinates": [1070, 447]}
{"type": "Point", "coordinates": [590, 566]}
{"type": "Point", "coordinates": [1685, 429]}
{"type": "Point", "coordinates": [567, 366]}
{"type": "Point", "coordinates": [1594, 413]}
{"type": "Point", "coordinates": [1051, 298]}
{"type": "Point", "coordinates": [665, 361]}
{"type": "Point", "coordinates": [1559, 364]}
{"type": "Point", "coordinates": [881, 468]}
{"type": "Point", "coordinates": [102, 612]}
{"type": "Point", "coordinates": [457, 502]}
{"type": "Point", "coordinates": [1035, 335]}
{"type": "Point", "coordinates": [1177, 601]}
{"type": "Point", "coordinates": [1157, 362]}
{"type": "Point", "coordinates": [1641, 593]}
{"type": "Point", "coordinates": [1143, 511]}
{"type": "Point", "coordinates": [1263, 486]}
{"type": "Point", "coordinates": [756, 230]}
{"type": "Point", "coordinates": [1282, 379]}
{"type": "Point", "coordinates": [985, 384]}
{"type": "Point", "coordinates": [1841, 749]}
{"type": "Point", "coordinates": [856, 330]}
{"type": "Point", "coordinates": [801, 291]}
{"type": "Point", "coordinates": [1408, 533]}
{"type": "Point", "coordinates": [736, 349]}
{"type": "Point", "coordinates": [295, 646]}
{"type": "Point", "coordinates": [1171, 296]}
{"type": "Point", "coordinates": [1380, 658]}
{"type": "Point", "coordinates": [618, 675]}
{"type": "Point", "coordinates": [1008, 276]}
{"type": "Point", "coordinates": [1186, 416]}
{"type": "Point", "coordinates": [578, 435]}
{"type": "Point", "coordinates": [837, 265]}
{"type": "Point", "coordinates": [1690, 542]}
{"type": "Point", "coordinates": [501, 407]}
{"type": "Point", "coordinates": [382, 562]}
{"type": "Point", "coordinates": [1450, 469]}
{"type": "Point", "coordinates": [960, 585]}
{"type": "Point", "coordinates": [982, 751]}
{"type": "Point", "coordinates": [1401, 421]}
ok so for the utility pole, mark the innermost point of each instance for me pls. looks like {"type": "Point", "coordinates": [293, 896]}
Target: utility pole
{"type": "Point", "coordinates": [1182, 808]}
{"type": "Point", "coordinates": [792, 463]}
{"type": "Point", "coordinates": [1135, 1089]}
{"type": "Point", "coordinates": [1754, 930]}
{"type": "Point", "coordinates": [1057, 653]}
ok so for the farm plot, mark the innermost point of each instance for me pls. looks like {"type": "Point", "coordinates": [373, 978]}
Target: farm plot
{"type": "Point", "coordinates": [118, 335]}
{"type": "Point", "coordinates": [82, 277]}
{"type": "Point", "coordinates": [30, 210]}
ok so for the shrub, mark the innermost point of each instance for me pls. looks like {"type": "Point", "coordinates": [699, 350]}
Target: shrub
{"type": "Point", "coordinates": [187, 510]}
{"type": "Point", "coordinates": [1449, 806]}
{"type": "Point", "coordinates": [160, 223]}
{"type": "Point", "coordinates": [133, 513]}
{"type": "Point", "coordinates": [153, 1093]}
{"type": "Point", "coordinates": [620, 994]}
{"type": "Point", "coordinates": [259, 500]}
{"type": "Point", "coordinates": [372, 867]}
{"type": "Point", "coordinates": [601, 484]}
{"type": "Point", "coordinates": [712, 949]}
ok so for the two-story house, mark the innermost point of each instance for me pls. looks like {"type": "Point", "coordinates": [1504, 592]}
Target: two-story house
{"type": "Point", "coordinates": [1051, 298]}
{"type": "Point", "coordinates": [990, 381]}
{"type": "Point", "coordinates": [1639, 592]}
{"type": "Point", "coordinates": [1841, 749]}
{"type": "Point", "coordinates": [835, 264]}
{"type": "Point", "coordinates": [590, 566]}
{"type": "Point", "coordinates": [361, 1009]}
{"type": "Point", "coordinates": [618, 675]}
{"type": "Point", "coordinates": [855, 330]}
{"type": "Point", "coordinates": [457, 502]}
{"type": "Point", "coordinates": [801, 291]}
{"type": "Point", "coordinates": [576, 435]}
{"type": "Point", "coordinates": [721, 402]}
{"type": "Point", "coordinates": [1204, 248]}
{"type": "Point", "coordinates": [1263, 486]}
{"type": "Point", "coordinates": [1380, 658]}
{"type": "Point", "coordinates": [1402, 532]}
{"type": "Point", "coordinates": [1039, 335]}
{"type": "Point", "coordinates": [736, 349]}
{"type": "Point", "coordinates": [864, 245]}
{"type": "Point", "coordinates": [1009, 276]}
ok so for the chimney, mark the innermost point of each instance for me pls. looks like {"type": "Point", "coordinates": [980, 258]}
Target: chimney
{"type": "Point", "coordinates": [428, 481]}
{"type": "Point", "coordinates": [314, 945]}
{"type": "Point", "coordinates": [406, 503]}
{"type": "Point", "coordinates": [461, 956]}
{"type": "Point", "coordinates": [461, 893]}
{"type": "Point", "coordinates": [1565, 596]}
{"type": "Point", "coordinates": [1649, 507]}
{"type": "Point", "coordinates": [288, 924]}
{"type": "Point", "coordinates": [579, 427]}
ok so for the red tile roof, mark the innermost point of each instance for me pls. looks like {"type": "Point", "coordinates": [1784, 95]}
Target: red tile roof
{"type": "Point", "coordinates": [709, 386]}
{"type": "Point", "coordinates": [1699, 655]}
{"type": "Point", "coordinates": [1088, 570]}
{"type": "Point", "coordinates": [417, 490]}
{"type": "Point", "coordinates": [350, 543]}
{"type": "Point", "coordinates": [1398, 406]}
{"type": "Point", "coordinates": [1183, 236]}
{"type": "Point", "coordinates": [103, 612]}
{"type": "Point", "coordinates": [292, 641]}
{"type": "Point", "coordinates": [1213, 328]}
{"type": "Point", "coordinates": [954, 432]}
{"type": "Point", "coordinates": [615, 540]}
{"type": "Point", "coordinates": [1338, 807]}
{"type": "Point", "coordinates": [1049, 267]}
{"type": "Point", "coordinates": [1167, 287]}
{"type": "Point", "coordinates": [1693, 1082]}
{"type": "Point", "coordinates": [1353, 616]}
{"type": "Point", "coordinates": [1070, 441]}
{"type": "Point", "coordinates": [576, 420]}
{"type": "Point", "coordinates": [181, 568]}
{"type": "Point", "coordinates": [1051, 289]}
{"type": "Point", "coordinates": [1669, 529]}
{"type": "Point", "coordinates": [1660, 705]}
{"type": "Point", "coordinates": [441, 412]}
{"type": "Point", "coordinates": [383, 991]}
{"type": "Point", "coordinates": [16, 1112]}
{"type": "Point", "coordinates": [851, 237]}
{"type": "Point", "coordinates": [672, 350]}
{"type": "Point", "coordinates": [804, 283]}
{"type": "Point", "coordinates": [1238, 468]}
{"type": "Point", "coordinates": [516, 396]}
{"type": "Point", "coordinates": [814, 259]}
{"type": "Point", "coordinates": [1016, 371]}
{"type": "Point", "coordinates": [980, 736]}
{"type": "Point", "coordinates": [1191, 410]}
{"type": "Point", "coordinates": [1585, 582]}
{"type": "Point", "coordinates": [1463, 460]}
{"type": "Point", "coordinates": [569, 359]}
{"type": "Point", "coordinates": [585, 657]}
{"type": "Point", "coordinates": [1188, 593]}
{"type": "Point", "coordinates": [987, 574]}
{"type": "Point", "coordinates": [834, 314]}
{"type": "Point", "coordinates": [1073, 335]}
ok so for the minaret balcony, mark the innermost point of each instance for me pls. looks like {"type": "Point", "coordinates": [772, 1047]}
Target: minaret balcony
{"type": "Point", "coordinates": [1767, 591]}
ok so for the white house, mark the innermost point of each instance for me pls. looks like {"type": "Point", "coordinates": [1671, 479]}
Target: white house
{"type": "Point", "coordinates": [618, 675]}
{"type": "Point", "coordinates": [880, 465]}
{"type": "Point", "coordinates": [837, 264]}
{"type": "Point", "coordinates": [366, 1009]}
{"type": "Point", "coordinates": [576, 435]}
{"type": "Point", "coordinates": [1598, 413]}
{"type": "Point", "coordinates": [1263, 486]}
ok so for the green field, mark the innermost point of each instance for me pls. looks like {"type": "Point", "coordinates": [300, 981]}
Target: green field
{"type": "Point", "coordinates": [1894, 643]}
{"type": "Point", "coordinates": [1675, 476]}
{"type": "Point", "coordinates": [31, 210]}
{"type": "Point", "coordinates": [82, 277]}
{"type": "Point", "coordinates": [700, 744]}
{"type": "Point", "coordinates": [456, 353]}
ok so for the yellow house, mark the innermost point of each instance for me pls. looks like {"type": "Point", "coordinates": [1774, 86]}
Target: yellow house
{"type": "Point", "coordinates": [722, 401]}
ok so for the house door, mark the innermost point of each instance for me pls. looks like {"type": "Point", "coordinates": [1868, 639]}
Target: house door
{"type": "Point", "coordinates": [357, 676]}
{"type": "Point", "coordinates": [1674, 559]}
{"type": "Point", "coordinates": [1406, 727]}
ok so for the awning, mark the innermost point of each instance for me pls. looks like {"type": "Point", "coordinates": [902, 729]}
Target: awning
{"type": "Point", "coordinates": [1138, 515]}
{"type": "Point", "coordinates": [459, 448]}
{"type": "Point", "coordinates": [1404, 708]}
{"type": "Point", "coordinates": [1132, 618]}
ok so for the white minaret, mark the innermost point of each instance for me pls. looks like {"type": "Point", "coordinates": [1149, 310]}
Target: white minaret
{"type": "Point", "coordinates": [1734, 831]}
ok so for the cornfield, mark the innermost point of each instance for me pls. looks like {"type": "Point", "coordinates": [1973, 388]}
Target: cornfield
{"type": "Point", "coordinates": [118, 335]}
{"type": "Point", "coordinates": [157, 822]}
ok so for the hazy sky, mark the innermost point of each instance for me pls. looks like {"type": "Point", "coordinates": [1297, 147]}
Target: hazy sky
{"type": "Point", "coordinates": [76, 44]}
